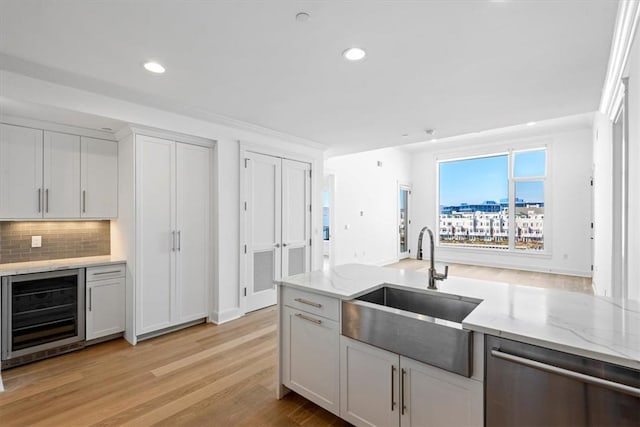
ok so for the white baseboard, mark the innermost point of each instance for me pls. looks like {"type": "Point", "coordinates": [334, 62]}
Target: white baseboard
{"type": "Point", "coordinates": [226, 315]}
{"type": "Point", "coordinates": [386, 262]}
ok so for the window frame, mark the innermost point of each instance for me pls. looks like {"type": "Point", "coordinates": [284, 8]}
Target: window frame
{"type": "Point", "coordinates": [510, 150]}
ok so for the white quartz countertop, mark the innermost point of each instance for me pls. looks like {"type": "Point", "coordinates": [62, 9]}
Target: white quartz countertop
{"type": "Point", "coordinates": [57, 264]}
{"type": "Point", "coordinates": [597, 327]}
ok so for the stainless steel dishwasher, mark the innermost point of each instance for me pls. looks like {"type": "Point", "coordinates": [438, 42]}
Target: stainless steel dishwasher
{"type": "Point", "coordinates": [526, 385]}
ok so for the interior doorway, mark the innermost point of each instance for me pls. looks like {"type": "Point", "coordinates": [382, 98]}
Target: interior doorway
{"type": "Point", "coordinates": [404, 221]}
{"type": "Point", "coordinates": [328, 211]}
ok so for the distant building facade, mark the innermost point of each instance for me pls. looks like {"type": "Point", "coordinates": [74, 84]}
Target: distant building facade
{"type": "Point", "coordinates": [487, 224]}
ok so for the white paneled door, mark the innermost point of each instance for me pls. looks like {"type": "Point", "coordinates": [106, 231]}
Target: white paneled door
{"type": "Point", "coordinates": [277, 225]}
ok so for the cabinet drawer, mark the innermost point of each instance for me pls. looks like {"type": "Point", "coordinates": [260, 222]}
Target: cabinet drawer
{"type": "Point", "coordinates": [105, 272]}
{"type": "Point", "coordinates": [317, 304]}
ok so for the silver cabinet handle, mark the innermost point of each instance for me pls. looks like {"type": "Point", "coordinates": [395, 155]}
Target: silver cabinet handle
{"type": "Point", "coordinates": [309, 319]}
{"type": "Point", "coordinates": [402, 400]}
{"type": "Point", "coordinates": [611, 385]}
{"type": "Point", "coordinates": [90, 299]}
{"type": "Point", "coordinates": [84, 201]}
{"type": "Point", "coordinates": [106, 272]}
{"type": "Point", "coordinates": [393, 387]}
{"type": "Point", "coordinates": [173, 241]}
{"type": "Point", "coordinates": [179, 239]}
{"type": "Point", "coordinates": [307, 302]}
{"type": "Point", "coordinates": [39, 200]}
{"type": "Point", "coordinates": [46, 200]}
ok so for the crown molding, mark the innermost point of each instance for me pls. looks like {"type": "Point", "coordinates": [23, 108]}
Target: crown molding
{"type": "Point", "coordinates": [623, 35]}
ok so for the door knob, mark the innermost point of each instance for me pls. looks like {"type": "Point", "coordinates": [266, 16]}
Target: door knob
{"type": "Point", "coordinates": [277, 245]}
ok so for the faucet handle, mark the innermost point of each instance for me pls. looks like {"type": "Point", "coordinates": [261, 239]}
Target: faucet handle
{"type": "Point", "coordinates": [446, 272]}
{"type": "Point", "coordinates": [440, 276]}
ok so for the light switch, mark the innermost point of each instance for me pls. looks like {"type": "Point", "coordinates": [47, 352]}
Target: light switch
{"type": "Point", "coordinates": [36, 241]}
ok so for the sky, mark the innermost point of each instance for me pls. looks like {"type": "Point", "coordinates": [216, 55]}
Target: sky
{"type": "Point", "coordinates": [477, 180]}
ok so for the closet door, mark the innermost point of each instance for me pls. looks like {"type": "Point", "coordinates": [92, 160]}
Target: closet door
{"type": "Point", "coordinates": [296, 217]}
{"type": "Point", "coordinates": [192, 247]}
{"type": "Point", "coordinates": [20, 172]}
{"type": "Point", "coordinates": [155, 236]}
{"type": "Point", "coordinates": [263, 219]}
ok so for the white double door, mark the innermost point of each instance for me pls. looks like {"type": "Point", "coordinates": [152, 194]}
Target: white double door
{"type": "Point", "coordinates": [277, 224]}
{"type": "Point", "coordinates": [172, 221]}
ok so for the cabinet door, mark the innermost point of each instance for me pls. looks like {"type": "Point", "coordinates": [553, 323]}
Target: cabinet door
{"type": "Point", "coordinates": [369, 385]}
{"type": "Point", "coordinates": [61, 175]}
{"type": "Point", "coordinates": [311, 364]}
{"type": "Point", "coordinates": [99, 178]}
{"type": "Point", "coordinates": [193, 238]}
{"type": "Point", "coordinates": [296, 217]}
{"type": "Point", "coordinates": [433, 397]}
{"type": "Point", "coordinates": [20, 172]}
{"type": "Point", "coordinates": [155, 233]}
{"type": "Point", "coordinates": [105, 307]}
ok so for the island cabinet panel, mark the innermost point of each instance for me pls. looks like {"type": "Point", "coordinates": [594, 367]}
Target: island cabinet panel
{"type": "Point", "coordinates": [369, 384]}
{"type": "Point", "coordinates": [380, 388]}
{"type": "Point", "coordinates": [433, 397]}
{"type": "Point", "coordinates": [310, 362]}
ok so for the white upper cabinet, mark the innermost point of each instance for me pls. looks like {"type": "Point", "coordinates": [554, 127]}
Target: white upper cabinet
{"type": "Point", "coordinates": [61, 175]}
{"type": "Point", "coordinates": [55, 175]}
{"type": "Point", "coordinates": [99, 178]}
{"type": "Point", "coordinates": [20, 172]}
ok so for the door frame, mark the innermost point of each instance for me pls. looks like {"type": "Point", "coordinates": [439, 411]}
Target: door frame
{"type": "Point", "coordinates": [316, 165]}
{"type": "Point", "coordinates": [405, 187]}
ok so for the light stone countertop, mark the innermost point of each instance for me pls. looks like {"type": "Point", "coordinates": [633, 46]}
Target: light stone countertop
{"type": "Point", "coordinates": [57, 264]}
{"type": "Point", "coordinates": [596, 327]}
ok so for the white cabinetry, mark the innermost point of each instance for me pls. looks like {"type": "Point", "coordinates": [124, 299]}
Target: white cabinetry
{"type": "Point", "coordinates": [105, 301]}
{"type": "Point", "coordinates": [99, 178]}
{"type": "Point", "coordinates": [45, 174]}
{"type": "Point", "coordinates": [172, 204]}
{"type": "Point", "coordinates": [380, 388]}
{"type": "Point", "coordinates": [310, 357]}
{"type": "Point", "coordinates": [20, 172]}
{"type": "Point", "coordinates": [61, 175]}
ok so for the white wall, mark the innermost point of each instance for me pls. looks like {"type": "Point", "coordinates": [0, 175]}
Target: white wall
{"type": "Point", "coordinates": [361, 185]}
{"type": "Point", "coordinates": [568, 206]}
{"type": "Point", "coordinates": [226, 182]}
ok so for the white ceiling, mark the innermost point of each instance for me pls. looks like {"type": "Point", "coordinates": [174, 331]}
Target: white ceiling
{"type": "Point", "coordinates": [457, 66]}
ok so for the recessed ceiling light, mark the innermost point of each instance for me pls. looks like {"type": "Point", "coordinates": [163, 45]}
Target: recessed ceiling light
{"type": "Point", "coordinates": [354, 54]}
{"type": "Point", "coordinates": [154, 67]}
{"type": "Point", "coordinates": [303, 17]}
{"type": "Point", "coordinates": [531, 123]}
{"type": "Point", "coordinates": [404, 135]}
{"type": "Point", "coordinates": [429, 131]}
{"type": "Point", "coordinates": [107, 129]}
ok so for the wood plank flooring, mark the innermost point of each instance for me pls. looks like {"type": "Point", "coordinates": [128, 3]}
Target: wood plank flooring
{"type": "Point", "coordinates": [206, 375]}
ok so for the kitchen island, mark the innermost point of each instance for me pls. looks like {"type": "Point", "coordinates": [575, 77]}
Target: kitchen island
{"type": "Point", "coordinates": [592, 327]}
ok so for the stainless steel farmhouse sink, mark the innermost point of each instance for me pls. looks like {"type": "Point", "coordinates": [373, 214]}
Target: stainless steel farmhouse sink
{"type": "Point", "coordinates": [418, 325]}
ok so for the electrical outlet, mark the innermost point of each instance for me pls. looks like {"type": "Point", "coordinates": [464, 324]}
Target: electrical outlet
{"type": "Point", "coordinates": [36, 241]}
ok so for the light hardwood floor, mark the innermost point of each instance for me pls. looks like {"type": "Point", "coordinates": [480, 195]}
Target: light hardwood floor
{"type": "Point", "coordinates": [206, 375]}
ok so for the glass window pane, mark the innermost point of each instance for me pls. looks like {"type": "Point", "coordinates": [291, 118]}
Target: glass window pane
{"type": "Point", "coordinates": [529, 163]}
{"type": "Point", "coordinates": [530, 215]}
{"type": "Point", "coordinates": [404, 208]}
{"type": "Point", "coordinates": [326, 219]}
{"type": "Point", "coordinates": [474, 202]}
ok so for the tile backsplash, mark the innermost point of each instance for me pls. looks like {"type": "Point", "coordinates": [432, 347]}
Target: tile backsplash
{"type": "Point", "coordinates": [60, 239]}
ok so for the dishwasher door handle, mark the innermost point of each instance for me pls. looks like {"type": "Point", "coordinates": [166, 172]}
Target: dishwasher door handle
{"type": "Point", "coordinates": [589, 379]}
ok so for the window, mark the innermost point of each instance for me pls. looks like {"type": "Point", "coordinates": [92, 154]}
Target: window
{"type": "Point", "coordinates": [478, 194]}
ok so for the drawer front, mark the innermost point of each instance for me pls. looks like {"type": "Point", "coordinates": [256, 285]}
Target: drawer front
{"type": "Point", "coordinates": [309, 302]}
{"type": "Point", "coordinates": [105, 272]}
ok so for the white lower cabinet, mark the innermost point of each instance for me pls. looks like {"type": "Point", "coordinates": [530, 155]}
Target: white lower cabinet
{"type": "Point", "coordinates": [380, 388]}
{"type": "Point", "coordinates": [105, 302]}
{"type": "Point", "coordinates": [311, 357]}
